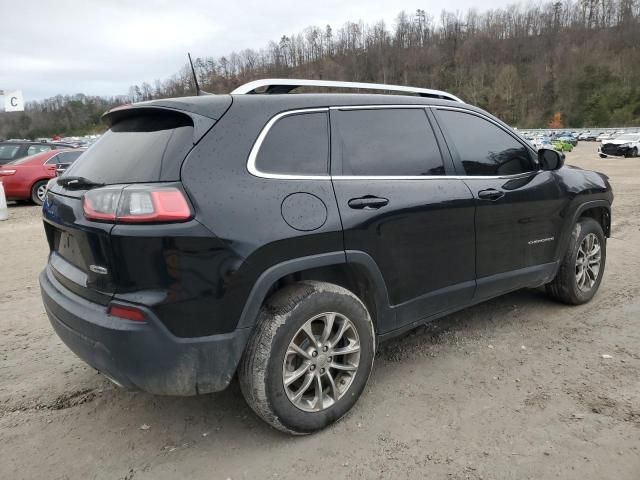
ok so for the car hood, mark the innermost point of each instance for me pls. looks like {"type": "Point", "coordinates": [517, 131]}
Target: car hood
{"type": "Point", "coordinates": [620, 142]}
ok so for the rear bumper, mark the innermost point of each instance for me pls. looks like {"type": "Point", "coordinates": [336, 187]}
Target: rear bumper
{"type": "Point", "coordinates": [14, 190]}
{"type": "Point", "coordinates": [141, 355]}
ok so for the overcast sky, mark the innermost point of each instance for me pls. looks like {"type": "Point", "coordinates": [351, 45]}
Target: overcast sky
{"type": "Point", "coordinates": [103, 47]}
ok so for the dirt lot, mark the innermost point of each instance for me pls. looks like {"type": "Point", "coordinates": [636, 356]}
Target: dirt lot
{"type": "Point", "coordinates": [513, 389]}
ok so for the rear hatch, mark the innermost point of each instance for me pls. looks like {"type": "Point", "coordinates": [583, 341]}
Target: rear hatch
{"type": "Point", "coordinates": [144, 147]}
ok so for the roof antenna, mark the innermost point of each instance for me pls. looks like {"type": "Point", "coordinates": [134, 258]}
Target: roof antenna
{"type": "Point", "coordinates": [195, 78]}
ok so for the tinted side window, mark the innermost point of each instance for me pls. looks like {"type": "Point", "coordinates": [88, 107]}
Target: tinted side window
{"type": "Point", "coordinates": [389, 142]}
{"type": "Point", "coordinates": [33, 149]}
{"type": "Point", "coordinates": [67, 157]}
{"type": "Point", "coordinates": [8, 151]}
{"type": "Point", "coordinates": [484, 148]}
{"type": "Point", "coordinates": [53, 160]}
{"type": "Point", "coordinates": [296, 145]}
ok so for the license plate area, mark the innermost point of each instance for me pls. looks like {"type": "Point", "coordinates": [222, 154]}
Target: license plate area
{"type": "Point", "coordinates": [66, 245]}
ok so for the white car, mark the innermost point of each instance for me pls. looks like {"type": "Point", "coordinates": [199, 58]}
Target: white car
{"type": "Point", "coordinates": [583, 136]}
{"type": "Point", "coordinates": [604, 136]}
{"type": "Point", "coordinates": [627, 145]}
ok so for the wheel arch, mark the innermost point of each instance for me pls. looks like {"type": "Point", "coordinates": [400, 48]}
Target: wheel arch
{"type": "Point", "coordinates": [353, 270]}
{"type": "Point", "coordinates": [38, 180]}
{"type": "Point", "coordinates": [600, 211]}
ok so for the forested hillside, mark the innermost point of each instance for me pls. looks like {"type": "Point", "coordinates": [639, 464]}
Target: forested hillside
{"type": "Point", "coordinates": [577, 62]}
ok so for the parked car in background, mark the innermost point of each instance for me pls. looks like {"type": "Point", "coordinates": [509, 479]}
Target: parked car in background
{"type": "Point", "coordinates": [569, 139]}
{"type": "Point", "coordinates": [26, 178]}
{"type": "Point", "coordinates": [593, 136]}
{"type": "Point", "coordinates": [605, 136]}
{"type": "Point", "coordinates": [584, 136]}
{"type": "Point", "coordinates": [541, 142]}
{"type": "Point", "coordinates": [562, 145]}
{"type": "Point", "coordinates": [627, 145]}
{"type": "Point", "coordinates": [11, 150]}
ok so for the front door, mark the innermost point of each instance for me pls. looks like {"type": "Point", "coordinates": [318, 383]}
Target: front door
{"type": "Point", "coordinates": [398, 205]}
{"type": "Point", "coordinates": [519, 208]}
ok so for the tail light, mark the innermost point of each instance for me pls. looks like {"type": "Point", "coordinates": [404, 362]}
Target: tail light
{"type": "Point", "coordinates": [144, 204]}
{"type": "Point", "coordinates": [7, 171]}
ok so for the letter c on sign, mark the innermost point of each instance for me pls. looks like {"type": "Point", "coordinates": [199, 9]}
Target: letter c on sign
{"type": "Point", "coordinates": [14, 101]}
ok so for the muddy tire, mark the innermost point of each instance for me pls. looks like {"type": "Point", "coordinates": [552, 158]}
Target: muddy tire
{"type": "Point", "coordinates": [309, 357]}
{"type": "Point", "coordinates": [582, 267]}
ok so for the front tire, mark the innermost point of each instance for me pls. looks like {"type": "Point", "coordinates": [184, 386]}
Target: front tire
{"type": "Point", "coordinates": [309, 358]}
{"type": "Point", "coordinates": [582, 267]}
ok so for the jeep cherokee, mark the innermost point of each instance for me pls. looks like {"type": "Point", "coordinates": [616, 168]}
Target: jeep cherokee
{"type": "Point", "coordinates": [282, 237]}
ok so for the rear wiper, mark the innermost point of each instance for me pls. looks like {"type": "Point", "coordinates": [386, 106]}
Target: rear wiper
{"type": "Point", "coordinates": [77, 183]}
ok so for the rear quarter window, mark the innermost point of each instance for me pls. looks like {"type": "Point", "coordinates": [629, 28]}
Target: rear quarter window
{"type": "Point", "coordinates": [297, 144]}
{"type": "Point", "coordinates": [141, 148]}
{"type": "Point", "coordinates": [68, 157]}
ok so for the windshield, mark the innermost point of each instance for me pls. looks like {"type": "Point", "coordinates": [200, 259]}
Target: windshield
{"type": "Point", "coordinates": [23, 160]}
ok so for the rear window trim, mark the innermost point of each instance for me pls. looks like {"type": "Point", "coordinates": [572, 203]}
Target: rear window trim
{"type": "Point", "coordinates": [163, 169]}
{"type": "Point", "coordinates": [255, 150]}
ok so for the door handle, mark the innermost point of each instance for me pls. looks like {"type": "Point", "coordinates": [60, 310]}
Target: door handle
{"type": "Point", "coordinates": [491, 194]}
{"type": "Point", "coordinates": [368, 202]}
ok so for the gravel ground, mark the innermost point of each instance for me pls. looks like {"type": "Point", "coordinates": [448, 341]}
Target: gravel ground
{"type": "Point", "coordinates": [516, 388]}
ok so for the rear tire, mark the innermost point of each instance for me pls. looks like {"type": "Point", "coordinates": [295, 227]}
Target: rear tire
{"type": "Point", "coordinates": [294, 382]}
{"type": "Point", "coordinates": [634, 152]}
{"type": "Point", "coordinates": [38, 192]}
{"type": "Point", "coordinates": [582, 267]}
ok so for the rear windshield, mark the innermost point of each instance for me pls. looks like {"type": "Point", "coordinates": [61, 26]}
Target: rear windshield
{"type": "Point", "coordinates": [143, 148]}
{"type": "Point", "coordinates": [23, 160]}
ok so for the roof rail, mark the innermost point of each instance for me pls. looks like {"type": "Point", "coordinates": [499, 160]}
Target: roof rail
{"type": "Point", "coordinates": [285, 85]}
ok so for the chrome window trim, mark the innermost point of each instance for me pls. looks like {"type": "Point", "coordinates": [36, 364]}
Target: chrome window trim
{"type": "Point", "coordinates": [435, 177]}
{"type": "Point", "coordinates": [380, 107]}
{"type": "Point", "coordinates": [253, 155]}
{"type": "Point", "coordinates": [49, 161]}
{"type": "Point", "coordinates": [512, 133]}
{"type": "Point", "coordinates": [250, 87]}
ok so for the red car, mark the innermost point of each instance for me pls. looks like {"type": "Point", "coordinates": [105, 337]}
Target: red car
{"type": "Point", "coordinates": [26, 179]}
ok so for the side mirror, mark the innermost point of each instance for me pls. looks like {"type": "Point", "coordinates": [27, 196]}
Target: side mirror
{"type": "Point", "coordinates": [550, 159]}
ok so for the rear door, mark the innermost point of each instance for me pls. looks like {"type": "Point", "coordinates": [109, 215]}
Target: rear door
{"type": "Point", "coordinates": [519, 207]}
{"type": "Point", "coordinates": [398, 204]}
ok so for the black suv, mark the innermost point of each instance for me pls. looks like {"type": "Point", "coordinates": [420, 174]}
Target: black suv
{"type": "Point", "coordinates": [282, 236]}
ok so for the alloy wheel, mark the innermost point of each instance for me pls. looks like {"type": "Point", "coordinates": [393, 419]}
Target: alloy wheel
{"type": "Point", "coordinates": [321, 362]}
{"type": "Point", "coordinates": [588, 262]}
{"type": "Point", "coordinates": [41, 191]}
